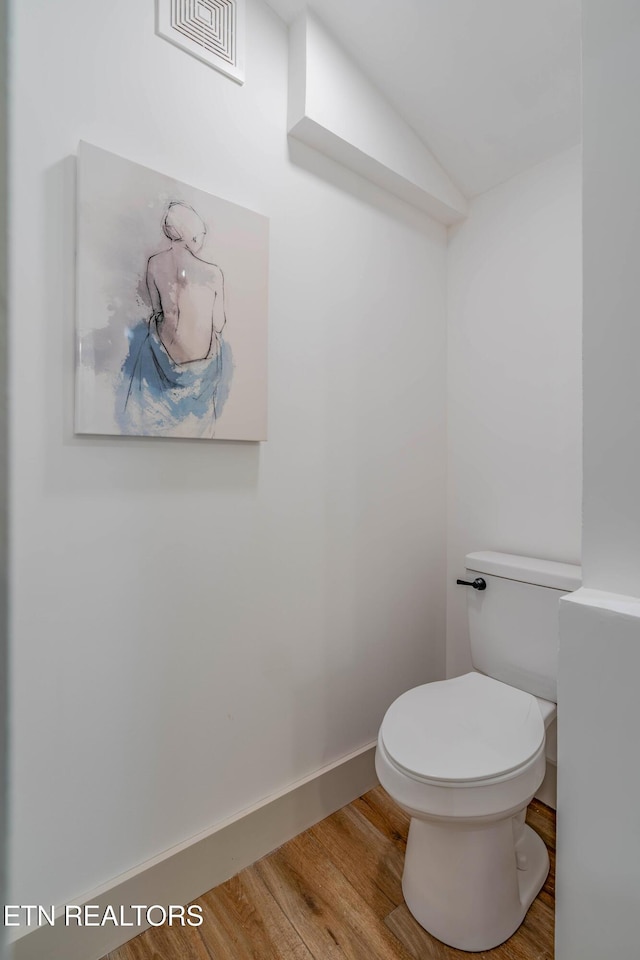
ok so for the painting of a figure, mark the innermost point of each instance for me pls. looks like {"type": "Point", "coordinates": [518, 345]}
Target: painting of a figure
{"type": "Point", "coordinates": [177, 363]}
{"type": "Point", "coordinates": [171, 342]}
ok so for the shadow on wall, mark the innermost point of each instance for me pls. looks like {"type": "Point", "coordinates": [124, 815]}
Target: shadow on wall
{"type": "Point", "coordinates": [362, 190]}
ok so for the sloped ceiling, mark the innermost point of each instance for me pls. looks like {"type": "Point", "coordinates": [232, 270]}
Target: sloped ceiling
{"type": "Point", "coordinates": [492, 87]}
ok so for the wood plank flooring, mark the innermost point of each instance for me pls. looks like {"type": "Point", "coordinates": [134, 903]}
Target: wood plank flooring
{"type": "Point", "coordinates": [334, 893]}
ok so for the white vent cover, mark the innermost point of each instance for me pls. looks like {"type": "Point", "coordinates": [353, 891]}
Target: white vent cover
{"type": "Point", "coordinates": [212, 30]}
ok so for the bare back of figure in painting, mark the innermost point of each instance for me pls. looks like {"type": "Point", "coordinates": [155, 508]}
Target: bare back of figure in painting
{"type": "Point", "coordinates": [179, 369]}
{"type": "Point", "coordinates": [187, 293]}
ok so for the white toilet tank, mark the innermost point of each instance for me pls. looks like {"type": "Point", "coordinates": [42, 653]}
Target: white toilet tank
{"type": "Point", "coordinates": [513, 624]}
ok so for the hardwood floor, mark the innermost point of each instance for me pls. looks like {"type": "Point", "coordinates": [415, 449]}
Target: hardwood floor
{"type": "Point", "coordinates": [334, 893]}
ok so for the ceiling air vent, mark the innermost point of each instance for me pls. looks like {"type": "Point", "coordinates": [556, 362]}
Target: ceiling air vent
{"type": "Point", "coordinates": [212, 30]}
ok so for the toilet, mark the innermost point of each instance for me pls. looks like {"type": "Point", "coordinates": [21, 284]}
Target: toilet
{"type": "Point", "coordinates": [464, 757]}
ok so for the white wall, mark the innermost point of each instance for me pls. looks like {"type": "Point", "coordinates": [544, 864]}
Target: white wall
{"type": "Point", "coordinates": [598, 867]}
{"type": "Point", "coordinates": [598, 775]}
{"type": "Point", "coordinates": [611, 298]}
{"type": "Point", "coordinates": [336, 109]}
{"type": "Point", "coordinates": [4, 446]}
{"type": "Point", "coordinates": [514, 391]}
{"type": "Point", "coordinates": [308, 581]}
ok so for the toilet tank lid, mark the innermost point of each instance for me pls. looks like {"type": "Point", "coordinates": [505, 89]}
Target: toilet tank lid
{"type": "Point", "coordinates": [542, 573]}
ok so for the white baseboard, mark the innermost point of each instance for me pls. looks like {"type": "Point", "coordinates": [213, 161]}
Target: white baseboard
{"type": "Point", "coordinates": [183, 873]}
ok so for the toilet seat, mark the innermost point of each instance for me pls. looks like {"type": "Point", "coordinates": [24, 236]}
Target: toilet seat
{"type": "Point", "coordinates": [484, 731]}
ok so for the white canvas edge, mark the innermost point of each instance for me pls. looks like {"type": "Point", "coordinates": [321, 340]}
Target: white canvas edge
{"type": "Point", "coordinates": [166, 31]}
{"type": "Point", "coordinates": [78, 427]}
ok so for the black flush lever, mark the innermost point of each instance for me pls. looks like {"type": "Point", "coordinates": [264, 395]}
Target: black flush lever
{"type": "Point", "coordinates": [477, 584]}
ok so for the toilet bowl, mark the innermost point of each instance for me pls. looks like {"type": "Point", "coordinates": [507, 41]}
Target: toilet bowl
{"type": "Point", "coordinates": [464, 757]}
{"type": "Point", "coordinates": [473, 867]}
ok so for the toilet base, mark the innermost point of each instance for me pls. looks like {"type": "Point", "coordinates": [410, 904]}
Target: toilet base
{"type": "Point", "coordinates": [471, 884]}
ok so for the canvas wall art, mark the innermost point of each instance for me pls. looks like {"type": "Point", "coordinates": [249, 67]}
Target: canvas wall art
{"type": "Point", "coordinates": [171, 307]}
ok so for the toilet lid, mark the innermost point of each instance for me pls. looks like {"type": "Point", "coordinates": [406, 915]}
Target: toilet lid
{"type": "Point", "coordinates": [468, 728]}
